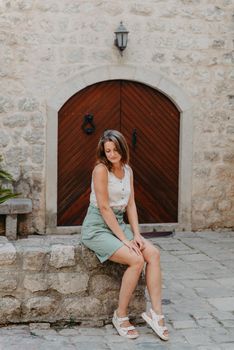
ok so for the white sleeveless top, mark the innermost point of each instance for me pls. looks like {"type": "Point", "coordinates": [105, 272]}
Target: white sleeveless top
{"type": "Point", "coordinates": [118, 189]}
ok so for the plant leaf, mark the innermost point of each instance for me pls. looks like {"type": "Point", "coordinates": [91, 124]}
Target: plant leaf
{"type": "Point", "coordinates": [4, 175]}
{"type": "Point", "coordinates": [6, 197]}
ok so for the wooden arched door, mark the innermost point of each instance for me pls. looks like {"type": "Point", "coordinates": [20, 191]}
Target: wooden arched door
{"type": "Point", "coordinates": [150, 123]}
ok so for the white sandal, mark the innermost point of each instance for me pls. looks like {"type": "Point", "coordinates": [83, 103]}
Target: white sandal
{"type": "Point", "coordinates": [123, 331]}
{"type": "Point", "coordinates": [153, 321]}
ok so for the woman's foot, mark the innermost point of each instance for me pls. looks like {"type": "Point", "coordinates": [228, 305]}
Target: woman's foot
{"type": "Point", "coordinates": [124, 327]}
{"type": "Point", "coordinates": [157, 323]}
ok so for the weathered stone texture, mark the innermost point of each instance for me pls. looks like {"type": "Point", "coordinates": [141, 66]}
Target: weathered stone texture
{"type": "Point", "coordinates": [7, 254]}
{"type": "Point", "coordinates": [45, 43]}
{"type": "Point", "coordinates": [75, 307]}
{"type": "Point", "coordinates": [8, 282]}
{"type": "Point", "coordinates": [37, 307]}
{"type": "Point", "coordinates": [62, 256]}
{"type": "Point", "coordinates": [51, 282]}
{"type": "Point", "coordinates": [35, 282]}
{"type": "Point", "coordinates": [33, 258]}
{"type": "Point", "coordinates": [68, 282]}
{"type": "Point", "coordinates": [10, 309]}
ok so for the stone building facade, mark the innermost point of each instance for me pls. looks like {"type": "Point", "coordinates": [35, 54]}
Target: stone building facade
{"type": "Point", "coordinates": [52, 49]}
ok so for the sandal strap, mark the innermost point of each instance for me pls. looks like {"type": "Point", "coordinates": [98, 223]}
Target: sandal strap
{"type": "Point", "coordinates": [130, 328]}
{"type": "Point", "coordinates": [156, 316]}
{"type": "Point", "coordinates": [122, 319]}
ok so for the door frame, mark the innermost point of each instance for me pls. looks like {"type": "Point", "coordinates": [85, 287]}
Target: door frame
{"type": "Point", "coordinates": [145, 76]}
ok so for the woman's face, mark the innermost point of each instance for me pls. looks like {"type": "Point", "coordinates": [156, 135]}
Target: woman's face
{"type": "Point", "coordinates": [111, 152]}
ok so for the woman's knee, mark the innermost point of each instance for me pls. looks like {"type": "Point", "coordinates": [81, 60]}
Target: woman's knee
{"type": "Point", "coordinates": [156, 253]}
{"type": "Point", "coordinates": [152, 254]}
{"type": "Point", "coordinates": [137, 261]}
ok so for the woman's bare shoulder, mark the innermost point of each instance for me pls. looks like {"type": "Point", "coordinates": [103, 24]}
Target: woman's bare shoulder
{"type": "Point", "coordinates": [100, 170]}
{"type": "Point", "coordinates": [129, 168]}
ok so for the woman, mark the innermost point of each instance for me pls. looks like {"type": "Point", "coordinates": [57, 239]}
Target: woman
{"type": "Point", "coordinates": [104, 232]}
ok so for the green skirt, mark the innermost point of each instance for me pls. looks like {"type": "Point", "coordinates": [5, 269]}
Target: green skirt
{"type": "Point", "coordinates": [97, 236]}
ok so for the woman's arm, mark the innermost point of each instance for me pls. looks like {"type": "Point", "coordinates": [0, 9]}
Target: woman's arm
{"type": "Point", "coordinates": [132, 215]}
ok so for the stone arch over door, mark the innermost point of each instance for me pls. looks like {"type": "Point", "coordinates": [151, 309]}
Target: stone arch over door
{"type": "Point", "coordinates": [133, 73]}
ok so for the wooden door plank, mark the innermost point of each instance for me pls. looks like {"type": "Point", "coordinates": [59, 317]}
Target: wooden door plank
{"type": "Point", "coordinates": [155, 160]}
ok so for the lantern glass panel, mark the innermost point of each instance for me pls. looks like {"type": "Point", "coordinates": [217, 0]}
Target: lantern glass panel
{"type": "Point", "coordinates": [124, 39]}
{"type": "Point", "coordinates": [119, 39]}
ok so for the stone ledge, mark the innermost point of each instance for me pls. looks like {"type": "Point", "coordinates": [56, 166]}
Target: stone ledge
{"type": "Point", "coordinates": [16, 206]}
{"type": "Point", "coordinates": [56, 279]}
{"type": "Point", "coordinates": [12, 208]}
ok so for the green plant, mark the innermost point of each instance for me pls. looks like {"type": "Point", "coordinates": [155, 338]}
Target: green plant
{"type": "Point", "coordinates": [5, 177]}
{"type": "Point", "coordinates": [71, 323]}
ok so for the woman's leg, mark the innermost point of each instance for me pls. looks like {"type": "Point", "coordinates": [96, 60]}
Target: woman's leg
{"type": "Point", "coordinates": [153, 278]}
{"type": "Point", "coordinates": [130, 278]}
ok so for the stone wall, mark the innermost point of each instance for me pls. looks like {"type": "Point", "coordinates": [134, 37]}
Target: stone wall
{"type": "Point", "coordinates": [190, 42]}
{"type": "Point", "coordinates": [55, 279]}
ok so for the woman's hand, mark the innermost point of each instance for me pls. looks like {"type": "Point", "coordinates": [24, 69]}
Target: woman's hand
{"type": "Point", "coordinates": [132, 246]}
{"type": "Point", "coordinates": [139, 241]}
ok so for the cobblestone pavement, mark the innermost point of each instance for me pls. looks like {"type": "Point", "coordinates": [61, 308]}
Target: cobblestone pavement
{"type": "Point", "coordinates": [198, 298]}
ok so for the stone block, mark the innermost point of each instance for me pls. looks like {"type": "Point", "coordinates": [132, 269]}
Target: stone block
{"type": "Point", "coordinates": [34, 137]}
{"type": "Point", "coordinates": [208, 323]}
{"type": "Point", "coordinates": [11, 226]}
{"type": "Point", "coordinates": [224, 173]}
{"type": "Point", "coordinates": [4, 139]}
{"type": "Point", "coordinates": [230, 129]}
{"type": "Point", "coordinates": [28, 104]}
{"type": "Point", "coordinates": [49, 6]}
{"type": "Point", "coordinates": [184, 324]}
{"type": "Point", "coordinates": [6, 104]}
{"type": "Point", "coordinates": [228, 157]}
{"type": "Point", "coordinates": [23, 5]}
{"type": "Point", "coordinates": [122, 71]}
{"type": "Point", "coordinates": [7, 254]}
{"type": "Point", "coordinates": [37, 121]}
{"type": "Point", "coordinates": [211, 155]}
{"type": "Point", "coordinates": [68, 282]}
{"type": "Point", "coordinates": [223, 304]}
{"type": "Point", "coordinates": [82, 307]}
{"type": "Point", "coordinates": [145, 74]}
{"type": "Point", "coordinates": [101, 284]}
{"type": "Point", "coordinates": [110, 302]}
{"type": "Point", "coordinates": [10, 309]}
{"type": "Point", "coordinates": [225, 205]}
{"type": "Point", "coordinates": [8, 282]}
{"type": "Point", "coordinates": [89, 259]}
{"type": "Point", "coordinates": [226, 282]}
{"type": "Point", "coordinates": [34, 258]}
{"type": "Point", "coordinates": [204, 205]}
{"type": "Point", "coordinates": [72, 55]}
{"type": "Point", "coordinates": [16, 206]}
{"type": "Point", "coordinates": [16, 120]}
{"type": "Point", "coordinates": [37, 307]}
{"type": "Point", "coordinates": [62, 256]}
{"type": "Point", "coordinates": [38, 154]}
{"type": "Point", "coordinates": [35, 282]}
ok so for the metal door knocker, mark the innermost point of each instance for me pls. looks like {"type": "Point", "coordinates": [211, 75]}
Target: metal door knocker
{"type": "Point", "coordinates": [88, 125]}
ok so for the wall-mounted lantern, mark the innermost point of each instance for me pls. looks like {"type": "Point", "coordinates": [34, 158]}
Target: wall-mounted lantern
{"type": "Point", "coordinates": [121, 39]}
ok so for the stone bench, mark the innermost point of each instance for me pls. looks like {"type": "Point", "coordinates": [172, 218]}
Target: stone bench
{"type": "Point", "coordinates": [12, 208]}
{"type": "Point", "coordinates": [56, 279]}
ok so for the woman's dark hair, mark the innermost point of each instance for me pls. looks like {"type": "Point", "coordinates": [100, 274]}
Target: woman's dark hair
{"type": "Point", "coordinates": [120, 143]}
